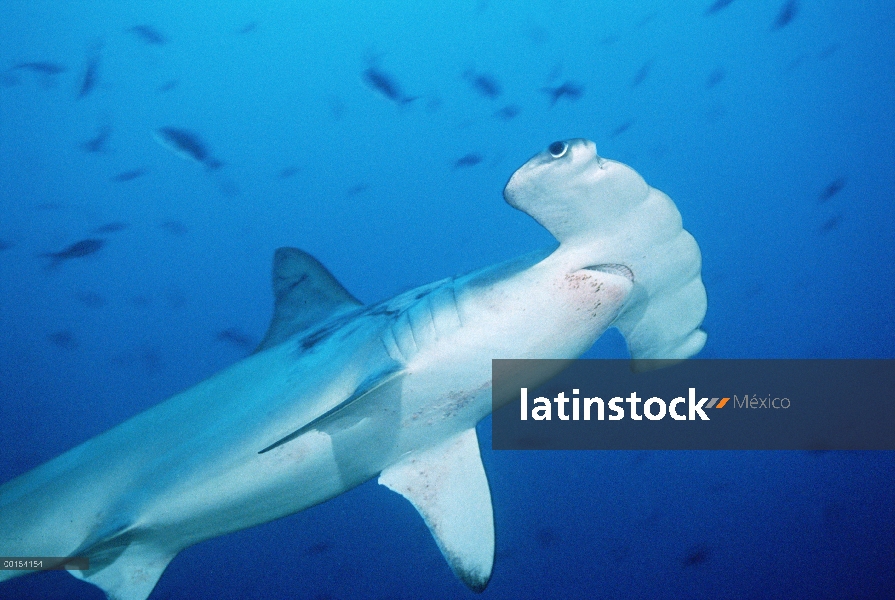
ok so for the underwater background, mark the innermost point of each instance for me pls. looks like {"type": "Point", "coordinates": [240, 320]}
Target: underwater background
{"type": "Point", "coordinates": [378, 136]}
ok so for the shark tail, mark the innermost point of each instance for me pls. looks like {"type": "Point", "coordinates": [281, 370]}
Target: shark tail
{"type": "Point", "coordinates": [40, 518]}
{"type": "Point", "coordinates": [122, 565]}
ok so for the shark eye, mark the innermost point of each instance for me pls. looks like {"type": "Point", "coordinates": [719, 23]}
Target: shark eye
{"type": "Point", "coordinates": [558, 149]}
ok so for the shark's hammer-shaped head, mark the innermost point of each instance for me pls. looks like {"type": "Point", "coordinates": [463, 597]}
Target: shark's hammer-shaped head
{"type": "Point", "coordinates": [573, 192]}
{"type": "Point", "coordinates": [604, 214]}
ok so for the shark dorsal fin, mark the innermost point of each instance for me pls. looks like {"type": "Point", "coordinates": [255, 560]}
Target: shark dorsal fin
{"type": "Point", "coordinates": [305, 293]}
{"type": "Point", "coordinates": [448, 487]}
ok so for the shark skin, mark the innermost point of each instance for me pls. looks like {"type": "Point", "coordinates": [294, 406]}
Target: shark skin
{"type": "Point", "coordinates": [338, 393]}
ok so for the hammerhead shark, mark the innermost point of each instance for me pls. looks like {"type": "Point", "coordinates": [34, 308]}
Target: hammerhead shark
{"type": "Point", "coordinates": [338, 393]}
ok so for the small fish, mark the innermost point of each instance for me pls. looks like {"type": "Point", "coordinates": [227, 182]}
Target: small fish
{"type": "Point", "coordinates": [4, 245]}
{"type": "Point", "coordinates": [168, 86]}
{"type": "Point", "coordinates": [787, 13]}
{"type": "Point", "coordinates": [318, 549]}
{"type": "Point", "coordinates": [128, 175]}
{"type": "Point", "coordinates": [642, 74]}
{"type": "Point", "coordinates": [482, 83]}
{"type": "Point", "coordinates": [187, 144]}
{"type": "Point", "coordinates": [356, 189]}
{"type": "Point", "coordinates": [91, 299]}
{"type": "Point", "coordinates": [176, 299]}
{"type": "Point", "coordinates": [831, 223]}
{"type": "Point", "coordinates": [828, 51]}
{"type": "Point", "coordinates": [42, 67]}
{"type": "Point", "coordinates": [468, 160]}
{"type": "Point", "coordinates": [570, 90]}
{"type": "Point", "coordinates": [91, 70]}
{"type": "Point", "coordinates": [621, 128]}
{"type": "Point", "coordinates": [336, 107]}
{"type": "Point", "coordinates": [384, 84]}
{"type": "Point", "coordinates": [149, 34]}
{"type": "Point", "coordinates": [287, 172]}
{"type": "Point", "coordinates": [714, 78]}
{"type": "Point", "coordinates": [76, 250]}
{"type": "Point", "coordinates": [112, 227]}
{"type": "Point", "coordinates": [64, 339]}
{"type": "Point", "coordinates": [717, 7]}
{"type": "Point", "coordinates": [510, 111]}
{"type": "Point", "coordinates": [98, 142]}
{"type": "Point", "coordinates": [9, 79]}
{"type": "Point", "coordinates": [831, 190]}
{"type": "Point", "coordinates": [233, 335]}
{"type": "Point", "coordinates": [248, 28]}
{"type": "Point", "coordinates": [546, 538]}
{"type": "Point", "coordinates": [696, 556]}
{"type": "Point", "coordinates": [174, 227]}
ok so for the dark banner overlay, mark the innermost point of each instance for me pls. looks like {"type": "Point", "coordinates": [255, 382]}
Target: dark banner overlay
{"type": "Point", "coordinates": [44, 563]}
{"type": "Point", "coordinates": [694, 405]}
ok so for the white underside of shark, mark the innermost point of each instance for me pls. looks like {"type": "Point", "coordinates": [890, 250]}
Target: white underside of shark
{"type": "Point", "coordinates": [339, 393]}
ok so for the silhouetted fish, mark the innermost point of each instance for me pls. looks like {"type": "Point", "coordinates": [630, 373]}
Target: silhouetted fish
{"type": "Point", "coordinates": [483, 84]}
{"type": "Point", "coordinates": [468, 160]}
{"type": "Point", "coordinates": [384, 84]}
{"type": "Point", "coordinates": [9, 79]}
{"type": "Point", "coordinates": [91, 299]}
{"type": "Point", "coordinates": [831, 223]}
{"type": "Point", "coordinates": [546, 538]}
{"type": "Point", "coordinates": [507, 112]}
{"type": "Point", "coordinates": [168, 86]}
{"type": "Point", "coordinates": [642, 74]}
{"type": "Point", "coordinates": [288, 172]}
{"type": "Point", "coordinates": [356, 189]}
{"type": "Point", "coordinates": [64, 339]}
{"type": "Point", "coordinates": [175, 299]}
{"type": "Point", "coordinates": [174, 227]}
{"type": "Point", "coordinates": [621, 129]}
{"type": "Point", "coordinates": [76, 250]}
{"type": "Point", "coordinates": [714, 78]}
{"type": "Point", "coordinates": [91, 70]}
{"type": "Point", "coordinates": [149, 34]}
{"type": "Point", "coordinates": [828, 51]}
{"type": "Point", "coordinates": [248, 28]}
{"type": "Point", "coordinates": [112, 227]}
{"type": "Point", "coordinates": [571, 90]}
{"type": "Point", "coordinates": [4, 245]}
{"type": "Point", "coordinates": [318, 549]}
{"type": "Point", "coordinates": [697, 555]}
{"type": "Point", "coordinates": [717, 7]}
{"type": "Point", "coordinates": [98, 143]}
{"type": "Point", "coordinates": [831, 190]}
{"type": "Point", "coordinates": [187, 144]}
{"type": "Point", "coordinates": [787, 13]}
{"type": "Point", "coordinates": [233, 335]}
{"type": "Point", "coordinates": [42, 67]}
{"type": "Point", "coordinates": [128, 175]}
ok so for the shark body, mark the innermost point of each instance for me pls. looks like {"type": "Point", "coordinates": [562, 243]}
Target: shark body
{"type": "Point", "coordinates": [338, 393]}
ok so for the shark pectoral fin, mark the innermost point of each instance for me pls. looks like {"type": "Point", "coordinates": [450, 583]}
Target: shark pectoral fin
{"type": "Point", "coordinates": [305, 293]}
{"type": "Point", "coordinates": [448, 487]}
{"type": "Point", "coordinates": [374, 386]}
{"type": "Point", "coordinates": [122, 566]}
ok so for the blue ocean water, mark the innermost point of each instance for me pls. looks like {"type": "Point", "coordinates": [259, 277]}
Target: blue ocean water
{"type": "Point", "coordinates": [770, 123]}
